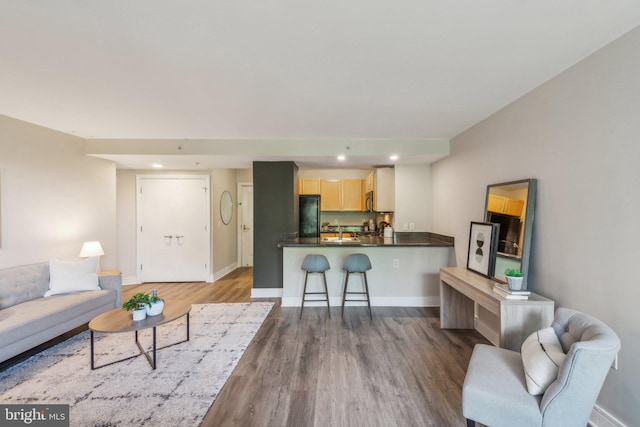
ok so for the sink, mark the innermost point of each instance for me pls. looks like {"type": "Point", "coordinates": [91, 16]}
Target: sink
{"type": "Point", "coordinates": [339, 240]}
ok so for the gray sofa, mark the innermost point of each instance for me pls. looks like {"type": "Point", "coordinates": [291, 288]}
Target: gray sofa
{"type": "Point", "coordinates": [28, 319]}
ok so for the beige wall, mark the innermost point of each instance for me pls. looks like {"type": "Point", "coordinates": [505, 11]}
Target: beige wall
{"type": "Point", "coordinates": [54, 197]}
{"type": "Point", "coordinates": [224, 236]}
{"type": "Point", "coordinates": [578, 135]}
{"type": "Point", "coordinates": [412, 197]}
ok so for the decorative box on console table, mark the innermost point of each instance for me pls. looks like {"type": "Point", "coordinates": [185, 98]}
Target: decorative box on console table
{"type": "Point", "coordinates": [467, 301]}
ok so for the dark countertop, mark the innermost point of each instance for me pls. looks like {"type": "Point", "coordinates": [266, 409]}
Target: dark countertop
{"type": "Point", "coordinates": [416, 239]}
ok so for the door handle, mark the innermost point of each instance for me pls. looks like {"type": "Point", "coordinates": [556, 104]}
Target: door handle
{"type": "Point", "coordinates": [168, 237]}
{"type": "Point", "coordinates": [179, 237]}
{"type": "Point", "coordinates": [245, 228]}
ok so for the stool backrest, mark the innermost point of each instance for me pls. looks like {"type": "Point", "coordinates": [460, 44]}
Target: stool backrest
{"type": "Point", "coordinates": [314, 263]}
{"type": "Point", "coordinates": [591, 347]}
{"type": "Point", "coordinates": [357, 263]}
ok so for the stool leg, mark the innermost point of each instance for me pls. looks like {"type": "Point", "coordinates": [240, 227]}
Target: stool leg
{"type": "Point", "coordinates": [366, 288]}
{"type": "Point", "coordinates": [326, 291]}
{"type": "Point", "coordinates": [304, 292]}
{"type": "Point", "coordinates": [344, 293]}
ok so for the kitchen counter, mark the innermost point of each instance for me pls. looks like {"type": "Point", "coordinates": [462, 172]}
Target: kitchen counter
{"type": "Point", "coordinates": [400, 239]}
{"type": "Point", "coordinates": [406, 268]}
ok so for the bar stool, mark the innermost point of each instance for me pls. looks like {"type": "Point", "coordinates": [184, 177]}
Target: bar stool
{"type": "Point", "coordinates": [357, 263]}
{"type": "Point", "coordinates": [314, 263]}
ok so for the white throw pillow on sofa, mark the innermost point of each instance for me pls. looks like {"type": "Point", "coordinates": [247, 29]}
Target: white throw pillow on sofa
{"type": "Point", "coordinates": [542, 355]}
{"type": "Point", "coordinates": [67, 277]}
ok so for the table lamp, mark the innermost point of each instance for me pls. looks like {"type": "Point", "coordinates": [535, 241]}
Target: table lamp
{"type": "Point", "coordinates": [91, 249]}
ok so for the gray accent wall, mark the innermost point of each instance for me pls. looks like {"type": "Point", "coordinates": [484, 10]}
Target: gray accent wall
{"type": "Point", "coordinates": [578, 135]}
{"type": "Point", "coordinates": [275, 207]}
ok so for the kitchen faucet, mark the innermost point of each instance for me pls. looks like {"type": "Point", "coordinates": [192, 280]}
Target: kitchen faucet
{"type": "Point", "coordinates": [339, 232]}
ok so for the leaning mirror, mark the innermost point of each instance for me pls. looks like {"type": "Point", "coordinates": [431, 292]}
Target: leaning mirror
{"type": "Point", "coordinates": [512, 205]}
{"type": "Point", "coordinates": [226, 207]}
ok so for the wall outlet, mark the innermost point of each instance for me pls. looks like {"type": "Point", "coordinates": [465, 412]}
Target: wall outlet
{"type": "Point", "coordinates": [396, 263]}
{"type": "Point", "coordinates": [405, 226]}
{"type": "Point", "coordinates": [412, 226]}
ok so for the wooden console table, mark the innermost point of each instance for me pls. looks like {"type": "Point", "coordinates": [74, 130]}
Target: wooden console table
{"type": "Point", "coordinates": [467, 301]}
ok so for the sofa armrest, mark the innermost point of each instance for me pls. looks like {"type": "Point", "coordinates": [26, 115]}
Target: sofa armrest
{"type": "Point", "coordinates": [112, 281]}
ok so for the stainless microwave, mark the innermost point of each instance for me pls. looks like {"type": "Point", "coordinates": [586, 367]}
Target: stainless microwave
{"type": "Point", "coordinates": [368, 201]}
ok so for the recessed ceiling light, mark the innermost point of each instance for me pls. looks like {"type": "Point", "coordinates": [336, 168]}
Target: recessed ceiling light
{"type": "Point", "coordinates": [157, 166]}
{"type": "Point", "coordinates": [393, 157]}
{"type": "Point", "coordinates": [341, 157]}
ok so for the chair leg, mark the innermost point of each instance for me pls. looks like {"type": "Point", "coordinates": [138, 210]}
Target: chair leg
{"type": "Point", "coordinates": [366, 288]}
{"type": "Point", "coordinates": [344, 293]}
{"type": "Point", "coordinates": [471, 423]}
{"type": "Point", "coordinates": [304, 292]}
{"type": "Point", "coordinates": [326, 291]}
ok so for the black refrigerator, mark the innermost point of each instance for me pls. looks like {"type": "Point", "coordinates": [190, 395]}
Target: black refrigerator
{"type": "Point", "coordinates": [309, 215]}
{"type": "Point", "coordinates": [509, 232]}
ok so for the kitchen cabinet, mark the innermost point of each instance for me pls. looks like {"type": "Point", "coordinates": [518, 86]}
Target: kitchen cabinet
{"type": "Point", "coordinates": [369, 182]}
{"type": "Point", "coordinates": [309, 186]}
{"type": "Point", "coordinates": [384, 190]}
{"type": "Point", "coordinates": [341, 195]}
{"type": "Point", "coordinates": [323, 235]}
{"type": "Point", "coordinates": [505, 205]}
{"type": "Point", "coordinates": [351, 190]}
{"type": "Point", "coordinates": [330, 195]}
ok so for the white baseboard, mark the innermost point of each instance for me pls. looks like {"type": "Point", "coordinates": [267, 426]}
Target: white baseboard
{"type": "Point", "coordinates": [336, 301]}
{"type": "Point", "coordinates": [221, 273]}
{"type": "Point", "coordinates": [601, 418]}
{"type": "Point", "coordinates": [266, 292]}
{"type": "Point", "coordinates": [405, 301]}
{"type": "Point", "coordinates": [133, 280]}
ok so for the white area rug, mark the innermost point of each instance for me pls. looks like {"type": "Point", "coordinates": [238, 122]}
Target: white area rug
{"type": "Point", "coordinates": [179, 392]}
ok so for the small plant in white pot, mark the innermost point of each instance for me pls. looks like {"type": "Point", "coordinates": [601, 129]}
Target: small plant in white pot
{"type": "Point", "coordinates": [156, 304]}
{"type": "Point", "coordinates": [137, 304]}
{"type": "Point", "coordinates": [514, 278]}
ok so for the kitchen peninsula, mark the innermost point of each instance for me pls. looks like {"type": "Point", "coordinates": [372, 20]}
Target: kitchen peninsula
{"type": "Point", "coordinates": [405, 271]}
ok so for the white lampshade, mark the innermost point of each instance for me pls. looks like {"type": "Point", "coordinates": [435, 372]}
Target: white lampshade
{"type": "Point", "coordinates": [91, 249]}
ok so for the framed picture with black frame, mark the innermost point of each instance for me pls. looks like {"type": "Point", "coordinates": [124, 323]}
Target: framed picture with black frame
{"type": "Point", "coordinates": [483, 245]}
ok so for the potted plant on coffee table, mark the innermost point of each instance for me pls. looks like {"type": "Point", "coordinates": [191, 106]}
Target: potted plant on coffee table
{"type": "Point", "coordinates": [137, 304]}
{"type": "Point", "coordinates": [156, 304]}
{"type": "Point", "coordinates": [514, 278]}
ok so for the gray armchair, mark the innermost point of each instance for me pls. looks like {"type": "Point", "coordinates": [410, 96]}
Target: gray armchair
{"type": "Point", "coordinates": [495, 392]}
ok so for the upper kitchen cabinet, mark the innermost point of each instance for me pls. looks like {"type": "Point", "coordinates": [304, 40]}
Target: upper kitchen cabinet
{"type": "Point", "coordinates": [369, 183]}
{"type": "Point", "coordinates": [330, 195]}
{"type": "Point", "coordinates": [351, 194]}
{"type": "Point", "coordinates": [309, 186]}
{"type": "Point", "coordinates": [505, 205]}
{"type": "Point", "coordinates": [341, 195]}
{"type": "Point", "coordinates": [384, 198]}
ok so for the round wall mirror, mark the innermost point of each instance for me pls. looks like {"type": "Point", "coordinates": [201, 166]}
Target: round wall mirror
{"type": "Point", "coordinates": [226, 207]}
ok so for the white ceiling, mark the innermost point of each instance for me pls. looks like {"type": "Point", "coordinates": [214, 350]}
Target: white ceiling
{"type": "Point", "coordinates": [294, 70]}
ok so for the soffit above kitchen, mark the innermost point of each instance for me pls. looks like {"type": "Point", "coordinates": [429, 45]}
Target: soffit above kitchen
{"type": "Point", "coordinates": [238, 154]}
{"type": "Point", "coordinates": [361, 70]}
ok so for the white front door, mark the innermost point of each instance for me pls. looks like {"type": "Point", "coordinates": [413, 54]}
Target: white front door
{"type": "Point", "coordinates": [173, 228]}
{"type": "Point", "coordinates": [246, 224]}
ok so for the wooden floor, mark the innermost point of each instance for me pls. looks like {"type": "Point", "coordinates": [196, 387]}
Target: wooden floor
{"type": "Point", "coordinates": [234, 287]}
{"type": "Point", "coordinates": [400, 369]}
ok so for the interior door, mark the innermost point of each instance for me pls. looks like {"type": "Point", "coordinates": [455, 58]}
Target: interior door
{"type": "Point", "coordinates": [246, 225]}
{"type": "Point", "coordinates": [173, 228]}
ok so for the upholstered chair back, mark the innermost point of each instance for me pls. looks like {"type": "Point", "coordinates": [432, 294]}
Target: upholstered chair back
{"type": "Point", "coordinates": [591, 347]}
